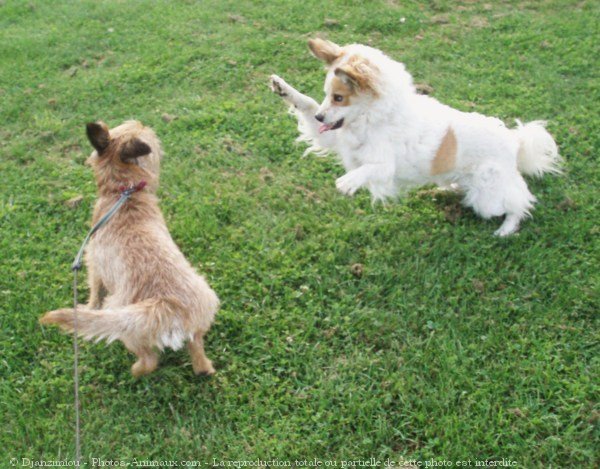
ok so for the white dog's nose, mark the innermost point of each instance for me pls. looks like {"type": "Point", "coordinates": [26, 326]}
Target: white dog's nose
{"type": "Point", "coordinates": [320, 117]}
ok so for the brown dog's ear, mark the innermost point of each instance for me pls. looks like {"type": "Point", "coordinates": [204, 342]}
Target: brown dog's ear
{"type": "Point", "coordinates": [134, 149]}
{"type": "Point", "coordinates": [358, 73]}
{"type": "Point", "coordinates": [326, 51]}
{"type": "Point", "coordinates": [98, 135]}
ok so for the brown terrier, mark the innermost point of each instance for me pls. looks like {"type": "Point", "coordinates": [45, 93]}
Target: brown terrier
{"type": "Point", "coordinates": [143, 291]}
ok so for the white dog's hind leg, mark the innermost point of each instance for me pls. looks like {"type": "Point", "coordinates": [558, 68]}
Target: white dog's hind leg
{"type": "Point", "coordinates": [510, 225]}
{"type": "Point", "coordinates": [451, 187]}
{"type": "Point", "coordinates": [494, 191]}
{"type": "Point", "coordinates": [518, 201]}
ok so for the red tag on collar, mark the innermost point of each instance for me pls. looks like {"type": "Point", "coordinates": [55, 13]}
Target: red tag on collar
{"type": "Point", "coordinates": [138, 187]}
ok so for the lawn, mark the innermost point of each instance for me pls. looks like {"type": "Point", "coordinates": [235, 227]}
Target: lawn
{"type": "Point", "coordinates": [447, 344]}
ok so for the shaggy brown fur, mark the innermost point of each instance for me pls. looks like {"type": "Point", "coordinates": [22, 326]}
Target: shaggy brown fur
{"type": "Point", "coordinates": [143, 291]}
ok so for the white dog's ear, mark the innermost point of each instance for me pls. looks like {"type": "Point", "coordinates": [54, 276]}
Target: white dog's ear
{"type": "Point", "coordinates": [98, 135]}
{"type": "Point", "coordinates": [326, 51]}
{"type": "Point", "coordinates": [359, 73]}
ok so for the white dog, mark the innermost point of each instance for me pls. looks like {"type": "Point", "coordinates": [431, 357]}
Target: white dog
{"type": "Point", "coordinates": [390, 138]}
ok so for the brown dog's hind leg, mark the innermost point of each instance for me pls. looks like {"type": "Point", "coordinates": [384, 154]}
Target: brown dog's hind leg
{"type": "Point", "coordinates": [200, 362]}
{"type": "Point", "coordinates": [147, 360]}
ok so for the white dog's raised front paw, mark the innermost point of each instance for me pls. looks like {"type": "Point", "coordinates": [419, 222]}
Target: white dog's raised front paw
{"type": "Point", "coordinates": [279, 86]}
{"type": "Point", "coordinates": [349, 183]}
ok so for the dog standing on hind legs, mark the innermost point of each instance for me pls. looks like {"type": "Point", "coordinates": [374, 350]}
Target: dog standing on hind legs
{"type": "Point", "coordinates": [390, 139]}
{"type": "Point", "coordinates": [143, 291]}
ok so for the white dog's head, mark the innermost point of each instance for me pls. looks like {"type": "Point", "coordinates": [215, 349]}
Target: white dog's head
{"type": "Point", "coordinates": [351, 85]}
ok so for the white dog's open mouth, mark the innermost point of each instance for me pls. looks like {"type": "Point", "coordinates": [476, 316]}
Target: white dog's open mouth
{"type": "Point", "coordinates": [335, 125]}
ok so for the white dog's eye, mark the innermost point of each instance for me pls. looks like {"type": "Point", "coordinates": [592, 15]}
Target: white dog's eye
{"type": "Point", "coordinates": [338, 98]}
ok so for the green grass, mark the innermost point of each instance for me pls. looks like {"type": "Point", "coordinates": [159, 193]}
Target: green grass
{"type": "Point", "coordinates": [452, 345]}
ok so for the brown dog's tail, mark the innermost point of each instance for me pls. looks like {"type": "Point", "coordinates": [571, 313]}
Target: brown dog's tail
{"type": "Point", "coordinates": [149, 322]}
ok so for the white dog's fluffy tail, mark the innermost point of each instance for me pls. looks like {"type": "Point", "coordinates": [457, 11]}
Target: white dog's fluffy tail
{"type": "Point", "coordinates": [538, 153]}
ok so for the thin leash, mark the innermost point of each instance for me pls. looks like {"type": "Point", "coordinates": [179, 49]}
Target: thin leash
{"type": "Point", "coordinates": [126, 193]}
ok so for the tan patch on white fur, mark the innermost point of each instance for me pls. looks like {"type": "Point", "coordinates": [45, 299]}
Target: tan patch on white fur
{"type": "Point", "coordinates": [445, 157]}
{"type": "Point", "coordinates": [360, 73]}
{"type": "Point", "coordinates": [338, 87]}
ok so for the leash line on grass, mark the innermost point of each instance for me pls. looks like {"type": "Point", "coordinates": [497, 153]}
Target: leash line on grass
{"type": "Point", "coordinates": [76, 372]}
{"type": "Point", "coordinates": [75, 267]}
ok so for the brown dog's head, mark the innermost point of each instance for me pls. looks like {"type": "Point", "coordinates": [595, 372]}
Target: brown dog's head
{"type": "Point", "coordinates": [124, 156]}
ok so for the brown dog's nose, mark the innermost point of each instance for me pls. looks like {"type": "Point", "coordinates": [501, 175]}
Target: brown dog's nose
{"type": "Point", "coordinates": [320, 117]}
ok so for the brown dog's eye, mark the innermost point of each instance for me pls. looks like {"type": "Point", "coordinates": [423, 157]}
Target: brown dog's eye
{"type": "Point", "coordinates": [338, 98]}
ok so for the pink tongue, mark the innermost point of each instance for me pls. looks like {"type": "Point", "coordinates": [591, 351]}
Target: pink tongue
{"type": "Point", "coordinates": [324, 128]}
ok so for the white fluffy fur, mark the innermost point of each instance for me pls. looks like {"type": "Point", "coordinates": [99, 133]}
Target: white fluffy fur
{"type": "Point", "coordinates": [390, 137]}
